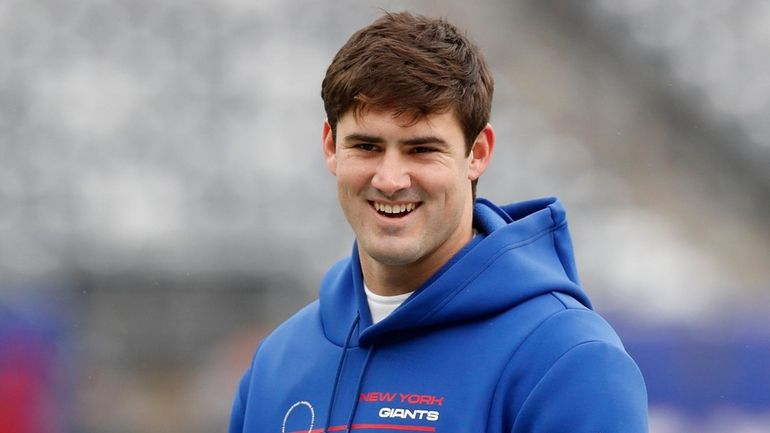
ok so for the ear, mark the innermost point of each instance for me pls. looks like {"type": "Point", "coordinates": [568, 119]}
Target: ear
{"type": "Point", "coordinates": [481, 153]}
{"type": "Point", "coordinates": [329, 148]}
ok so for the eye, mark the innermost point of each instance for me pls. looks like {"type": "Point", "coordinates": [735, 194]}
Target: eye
{"type": "Point", "coordinates": [367, 147]}
{"type": "Point", "coordinates": [422, 149]}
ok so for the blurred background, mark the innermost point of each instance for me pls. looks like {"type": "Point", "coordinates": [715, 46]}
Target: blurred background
{"type": "Point", "coordinates": [163, 201]}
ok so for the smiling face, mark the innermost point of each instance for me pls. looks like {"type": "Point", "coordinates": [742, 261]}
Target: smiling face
{"type": "Point", "coordinates": [405, 189]}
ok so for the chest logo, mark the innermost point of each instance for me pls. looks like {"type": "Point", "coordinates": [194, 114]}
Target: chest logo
{"type": "Point", "coordinates": [300, 413]}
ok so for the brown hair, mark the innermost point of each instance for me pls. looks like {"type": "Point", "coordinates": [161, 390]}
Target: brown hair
{"type": "Point", "coordinates": [414, 66]}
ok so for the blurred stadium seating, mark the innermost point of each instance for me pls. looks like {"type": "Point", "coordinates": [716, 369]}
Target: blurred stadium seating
{"type": "Point", "coordinates": [163, 201]}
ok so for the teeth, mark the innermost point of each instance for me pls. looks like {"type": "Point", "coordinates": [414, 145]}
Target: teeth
{"type": "Point", "coordinates": [394, 209]}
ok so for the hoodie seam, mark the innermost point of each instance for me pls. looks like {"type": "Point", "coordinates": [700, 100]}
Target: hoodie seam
{"type": "Point", "coordinates": [558, 299]}
{"type": "Point", "coordinates": [559, 254]}
{"type": "Point", "coordinates": [524, 341]}
{"type": "Point", "coordinates": [485, 266]}
{"type": "Point", "coordinates": [550, 367]}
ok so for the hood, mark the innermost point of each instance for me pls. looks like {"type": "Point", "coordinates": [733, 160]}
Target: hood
{"type": "Point", "coordinates": [521, 251]}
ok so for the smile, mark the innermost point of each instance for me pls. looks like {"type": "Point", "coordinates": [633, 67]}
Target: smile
{"type": "Point", "coordinates": [394, 210]}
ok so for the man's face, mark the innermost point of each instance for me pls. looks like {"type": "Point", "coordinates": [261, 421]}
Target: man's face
{"type": "Point", "coordinates": [405, 188]}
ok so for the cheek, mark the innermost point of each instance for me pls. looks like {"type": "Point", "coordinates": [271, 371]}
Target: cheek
{"type": "Point", "coordinates": [348, 173]}
{"type": "Point", "coordinates": [446, 189]}
{"type": "Point", "coordinates": [450, 180]}
{"type": "Point", "coordinates": [351, 180]}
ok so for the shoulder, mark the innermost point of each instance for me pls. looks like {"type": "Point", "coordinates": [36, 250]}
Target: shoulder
{"type": "Point", "coordinates": [555, 322]}
{"type": "Point", "coordinates": [293, 339]}
{"type": "Point", "coordinates": [574, 363]}
{"type": "Point", "coordinates": [573, 324]}
{"type": "Point", "coordinates": [592, 386]}
{"type": "Point", "coordinates": [563, 325]}
{"type": "Point", "coordinates": [307, 321]}
{"type": "Point", "coordinates": [301, 323]}
{"type": "Point", "coordinates": [338, 270]}
{"type": "Point", "coordinates": [567, 326]}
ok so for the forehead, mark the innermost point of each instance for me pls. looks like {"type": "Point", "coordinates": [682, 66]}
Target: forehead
{"type": "Point", "coordinates": [443, 124]}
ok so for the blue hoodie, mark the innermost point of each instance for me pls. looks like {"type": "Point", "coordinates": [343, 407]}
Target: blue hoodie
{"type": "Point", "coordinates": [501, 339]}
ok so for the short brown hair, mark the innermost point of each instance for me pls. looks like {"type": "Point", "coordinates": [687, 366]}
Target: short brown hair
{"type": "Point", "coordinates": [414, 66]}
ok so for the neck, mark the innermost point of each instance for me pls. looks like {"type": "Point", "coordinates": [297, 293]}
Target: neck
{"type": "Point", "coordinates": [391, 280]}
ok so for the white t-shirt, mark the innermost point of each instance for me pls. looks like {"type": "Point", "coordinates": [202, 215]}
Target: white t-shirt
{"type": "Point", "coordinates": [381, 306]}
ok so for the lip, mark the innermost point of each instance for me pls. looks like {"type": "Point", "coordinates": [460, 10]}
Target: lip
{"type": "Point", "coordinates": [393, 220]}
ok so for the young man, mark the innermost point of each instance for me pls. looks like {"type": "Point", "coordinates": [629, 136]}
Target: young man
{"type": "Point", "coordinates": [452, 314]}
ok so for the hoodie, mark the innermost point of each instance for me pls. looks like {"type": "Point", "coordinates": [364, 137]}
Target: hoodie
{"type": "Point", "coordinates": [501, 339]}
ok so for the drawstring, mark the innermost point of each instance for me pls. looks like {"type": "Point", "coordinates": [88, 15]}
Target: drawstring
{"type": "Point", "coordinates": [343, 357]}
{"type": "Point", "coordinates": [358, 389]}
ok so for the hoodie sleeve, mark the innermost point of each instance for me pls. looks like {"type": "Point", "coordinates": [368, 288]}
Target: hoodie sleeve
{"type": "Point", "coordinates": [595, 387]}
{"type": "Point", "coordinates": [239, 404]}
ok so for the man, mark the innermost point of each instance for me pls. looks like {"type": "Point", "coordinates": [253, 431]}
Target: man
{"type": "Point", "coordinates": [452, 314]}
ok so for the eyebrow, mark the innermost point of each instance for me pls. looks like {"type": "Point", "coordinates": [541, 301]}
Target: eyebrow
{"type": "Point", "coordinates": [363, 137]}
{"type": "Point", "coordinates": [416, 141]}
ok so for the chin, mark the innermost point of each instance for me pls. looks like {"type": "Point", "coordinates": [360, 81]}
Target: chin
{"type": "Point", "coordinates": [392, 257]}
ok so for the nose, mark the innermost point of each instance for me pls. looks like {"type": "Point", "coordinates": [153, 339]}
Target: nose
{"type": "Point", "coordinates": [391, 174]}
